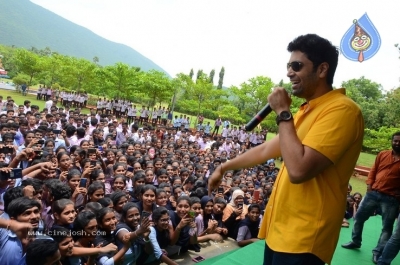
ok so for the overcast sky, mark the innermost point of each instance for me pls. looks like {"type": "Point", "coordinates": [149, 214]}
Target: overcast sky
{"type": "Point", "coordinates": [247, 37]}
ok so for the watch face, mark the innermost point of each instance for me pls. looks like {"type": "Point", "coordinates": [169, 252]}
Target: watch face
{"type": "Point", "coordinates": [285, 115]}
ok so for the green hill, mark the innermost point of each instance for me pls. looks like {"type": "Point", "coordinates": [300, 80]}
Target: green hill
{"type": "Point", "coordinates": [25, 24]}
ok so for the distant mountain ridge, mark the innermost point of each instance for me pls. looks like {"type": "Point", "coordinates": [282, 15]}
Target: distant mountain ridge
{"type": "Point", "coordinates": [25, 24]}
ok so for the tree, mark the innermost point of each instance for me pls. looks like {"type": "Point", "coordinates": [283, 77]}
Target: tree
{"type": "Point", "coordinates": [96, 60]}
{"type": "Point", "coordinates": [221, 78]}
{"type": "Point", "coordinates": [120, 80]}
{"type": "Point", "coordinates": [199, 74]}
{"type": "Point", "coordinates": [191, 73]}
{"type": "Point", "coordinates": [363, 89]}
{"type": "Point", "coordinates": [28, 63]}
{"type": "Point", "coordinates": [211, 78]}
{"type": "Point", "coordinates": [77, 74]}
{"type": "Point", "coordinates": [51, 72]}
{"type": "Point", "coordinates": [156, 85]}
{"type": "Point", "coordinates": [368, 95]}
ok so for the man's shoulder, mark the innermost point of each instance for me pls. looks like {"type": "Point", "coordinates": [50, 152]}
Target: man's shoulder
{"type": "Point", "coordinates": [385, 153]}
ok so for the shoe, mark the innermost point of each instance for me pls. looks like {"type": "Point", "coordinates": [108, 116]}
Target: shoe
{"type": "Point", "coordinates": [375, 258]}
{"type": "Point", "coordinates": [350, 245]}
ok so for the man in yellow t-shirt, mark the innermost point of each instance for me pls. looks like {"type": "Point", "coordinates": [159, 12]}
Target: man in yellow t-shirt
{"type": "Point", "coordinates": [319, 146]}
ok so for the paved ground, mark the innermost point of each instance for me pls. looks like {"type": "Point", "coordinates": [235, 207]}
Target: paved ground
{"type": "Point", "coordinates": [208, 250]}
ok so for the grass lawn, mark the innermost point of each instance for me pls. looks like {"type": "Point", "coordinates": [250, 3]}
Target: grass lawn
{"type": "Point", "coordinates": [19, 99]}
{"type": "Point", "coordinates": [358, 184]}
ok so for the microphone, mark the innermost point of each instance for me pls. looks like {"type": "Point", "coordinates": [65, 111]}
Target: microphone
{"type": "Point", "coordinates": [258, 118]}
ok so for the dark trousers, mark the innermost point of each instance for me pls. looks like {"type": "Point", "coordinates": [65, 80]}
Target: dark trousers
{"type": "Point", "coordinates": [279, 258]}
{"type": "Point", "coordinates": [373, 200]}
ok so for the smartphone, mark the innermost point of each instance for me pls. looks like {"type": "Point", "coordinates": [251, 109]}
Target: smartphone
{"type": "Point", "coordinates": [192, 214]}
{"type": "Point", "coordinates": [256, 196]}
{"type": "Point", "coordinates": [130, 169]}
{"type": "Point", "coordinates": [198, 259]}
{"type": "Point", "coordinates": [145, 215]}
{"type": "Point", "coordinates": [240, 205]}
{"type": "Point", "coordinates": [229, 182]}
{"type": "Point", "coordinates": [38, 153]}
{"type": "Point", "coordinates": [56, 131]}
{"type": "Point", "coordinates": [100, 148]}
{"type": "Point", "coordinates": [82, 183]}
{"type": "Point", "coordinates": [91, 150]}
{"type": "Point", "coordinates": [220, 189]}
{"type": "Point", "coordinates": [15, 173]}
{"type": "Point", "coordinates": [93, 163]}
{"type": "Point", "coordinates": [41, 141]}
{"type": "Point", "coordinates": [6, 150]}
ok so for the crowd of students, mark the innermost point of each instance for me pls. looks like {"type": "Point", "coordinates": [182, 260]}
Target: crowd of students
{"type": "Point", "coordinates": [94, 189]}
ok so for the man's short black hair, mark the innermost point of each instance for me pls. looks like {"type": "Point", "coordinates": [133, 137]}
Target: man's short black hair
{"type": "Point", "coordinates": [39, 250]}
{"type": "Point", "coordinates": [318, 50]}
{"type": "Point", "coordinates": [20, 205]}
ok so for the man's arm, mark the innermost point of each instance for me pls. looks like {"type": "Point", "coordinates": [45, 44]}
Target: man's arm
{"type": "Point", "coordinates": [372, 174]}
{"type": "Point", "coordinates": [302, 162]}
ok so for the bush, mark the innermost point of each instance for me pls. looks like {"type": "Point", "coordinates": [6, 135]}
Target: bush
{"type": "Point", "coordinates": [376, 141]}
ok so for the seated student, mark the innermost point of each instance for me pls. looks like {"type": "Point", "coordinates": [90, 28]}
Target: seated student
{"type": "Point", "coordinates": [64, 213]}
{"type": "Point", "coordinates": [95, 191]}
{"type": "Point", "coordinates": [78, 193]}
{"type": "Point", "coordinates": [207, 230]}
{"type": "Point", "coordinates": [118, 199]}
{"type": "Point", "coordinates": [234, 212]}
{"type": "Point", "coordinates": [147, 199]}
{"type": "Point", "coordinates": [350, 211]}
{"type": "Point", "coordinates": [160, 237]}
{"type": "Point", "coordinates": [137, 235]}
{"type": "Point", "coordinates": [63, 237]}
{"type": "Point", "coordinates": [248, 228]}
{"type": "Point", "coordinates": [161, 198]}
{"type": "Point", "coordinates": [84, 233]}
{"type": "Point", "coordinates": [184, 226]}
{"type": "Point", "coordinates": [12, 244]}
{"type": "Point", "coordinates": [162, 228]}
{"type": "Point", "coordinates": [107, 224]}
{"type": "Point", "coordinates": [42, 251]}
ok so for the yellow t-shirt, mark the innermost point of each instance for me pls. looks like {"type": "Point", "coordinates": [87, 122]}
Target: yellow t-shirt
{"type": "Point", "coordinates": [307, 217]}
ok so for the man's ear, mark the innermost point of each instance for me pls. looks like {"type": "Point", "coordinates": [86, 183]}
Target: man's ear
{"type": "Point", "coordinates": [323, 70]}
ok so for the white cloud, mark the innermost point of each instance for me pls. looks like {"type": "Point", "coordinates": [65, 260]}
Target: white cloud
{"type": "Point", "coordinates": [247, 37]}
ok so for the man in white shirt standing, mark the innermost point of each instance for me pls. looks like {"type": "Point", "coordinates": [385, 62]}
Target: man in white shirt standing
{"type": "Point", "coordinates": [48, 105]}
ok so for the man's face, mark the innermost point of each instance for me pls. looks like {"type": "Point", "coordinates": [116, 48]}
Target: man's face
{"type": "Point", "coordinates": [23, 128]}
{"type": "Point", "coordinates": [51, 135]}
{"type": "Point", "coordinates": [31, 215]}
{"type": "Point", "coordinates": [32, 120]}
{"type": "Point", "coordinates": [3, 119]}
{"type": "Point", "coordinates": [396, 144]}
{"type": "Point", "coordinates": [305, 81]}
{"type": "Point", "coordinates": [4, 130]}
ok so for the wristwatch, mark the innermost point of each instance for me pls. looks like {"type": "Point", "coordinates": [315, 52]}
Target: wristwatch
{"type": "Point", "coordinates": [284, 116]}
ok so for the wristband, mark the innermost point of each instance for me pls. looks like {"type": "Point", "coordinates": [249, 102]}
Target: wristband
{"type": "Point", "coordinates": [146, 241]}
